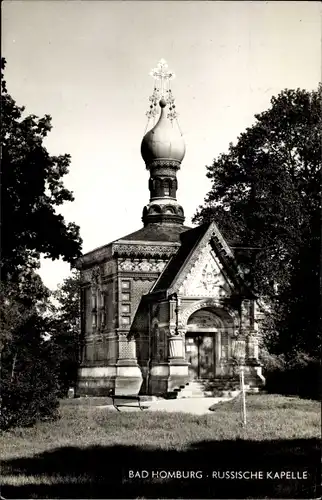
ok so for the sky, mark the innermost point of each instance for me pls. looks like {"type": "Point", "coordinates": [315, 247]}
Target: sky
{"type": "Point", "coordinates": [87, 64]}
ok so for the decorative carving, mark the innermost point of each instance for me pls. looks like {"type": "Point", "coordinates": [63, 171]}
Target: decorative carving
{"type": "Point", "coordinates": [139, 265]}
{"type": "Point", "coordinates": [205, 279]}
{"type": "Point", "coordinates": [161, 163]}
{"type": "Point", "coordinates": [87, 275]}
{"type": "Point", "coordinates": [144, 277]}
{"type": "Point", "coordinates": [172, 331]}
{"type": "Point", "coordinates": [159, 171]}
{"type": "Point", "coordinates": [205, 319]}
{"type": "Point", "coordinates": [109, 267]}
{"type": "Point", "coordinates": [210, 276]}
{"type": "Point", "coordinates": [96, 274]}
{"type": "Point", "coordinates": [94, 256]}
{"type": "Point", "coordinates": [217, 236]}
{"type": "Point", "coordinates": [145, 250]}
{"type": "Point", "coordinates": [201, 304]}
{"type": "Point", "coordinates": [126, 265]}
{"type": "Point", "coordinates": [96, 277]}
{"type": "Point", "coordinates": [195, 257]}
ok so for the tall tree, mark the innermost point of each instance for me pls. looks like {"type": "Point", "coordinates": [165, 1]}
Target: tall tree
{"type": "Point", "coordinates": [31, 189]}
{"type": "Point", "coordinates": [266, 193]}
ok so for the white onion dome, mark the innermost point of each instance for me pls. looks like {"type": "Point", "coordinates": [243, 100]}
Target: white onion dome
{"type": "Point", "coordinates": [164, 140]}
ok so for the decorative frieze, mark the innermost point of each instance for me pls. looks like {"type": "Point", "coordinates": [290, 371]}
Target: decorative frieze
{"type": "Point", "coordinates": [94, 256]}
{"type": "Point", "coordinates": [97, 273]}
{"type": "Point", "coordinates": [144, 250]}
{"type": "Point", "coordinates": [163, 163]}
{"type": "Point", "coordinates": [139, 265]}
{"type": "Point", "coordinates": [165, 171]}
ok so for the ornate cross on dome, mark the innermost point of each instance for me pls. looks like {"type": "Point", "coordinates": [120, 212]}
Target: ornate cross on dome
{"type": "Point", "coordinates": [161, 72]}
{"type": "Point", "coordinates": [162, 77]}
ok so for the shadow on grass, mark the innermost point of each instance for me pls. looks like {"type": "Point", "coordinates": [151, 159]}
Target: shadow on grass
{"type": "Point", "coordinates": [103, 472]}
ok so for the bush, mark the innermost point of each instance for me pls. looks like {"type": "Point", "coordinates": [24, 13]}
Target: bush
{"type": "Point", "coordinates": [29, 391]}
{"type": "Point", "coordinates": [298, 374]}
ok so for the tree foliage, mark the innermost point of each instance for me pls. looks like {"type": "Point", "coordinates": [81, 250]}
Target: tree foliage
{"type": "Point", "coordinates": [64, 325]}
{"type": "Point", "coordinates": [32, 188]}
{"type": "Point", "coordinates": [28, 362]}
{"type": "Point", "coordinates": [266, 194]}
{"type": "Point", "coordinates": [29, 378]}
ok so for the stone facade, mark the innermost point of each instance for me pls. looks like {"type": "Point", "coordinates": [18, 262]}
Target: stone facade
{"type": "Point", "coordinates": [111, 294]}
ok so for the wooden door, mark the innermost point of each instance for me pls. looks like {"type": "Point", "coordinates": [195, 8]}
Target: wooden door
{"type": "Point", "coordinates": [206, 356]}
{"type": "Point", "coordinates": [192, 355]}
{"type": "Point", "coordinates": [200, 355]}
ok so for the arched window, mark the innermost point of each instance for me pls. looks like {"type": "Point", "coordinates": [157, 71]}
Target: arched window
{"type": "Point", "coordinates": [166, 187]}
{"type": "Point", "coordinates": [94, 308]}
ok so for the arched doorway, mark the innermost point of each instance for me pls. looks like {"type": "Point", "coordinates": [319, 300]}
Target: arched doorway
{"type": "Point", "coordinates": [203, 343]}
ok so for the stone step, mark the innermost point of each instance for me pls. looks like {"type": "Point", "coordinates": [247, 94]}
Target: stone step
{"type": "Point", "coordinates": [208, 394]}
{"type": "Point", "coordinates": [210, 388]}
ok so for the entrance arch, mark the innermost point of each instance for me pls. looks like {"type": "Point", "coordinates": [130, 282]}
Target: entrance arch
{"type": "Point", "coordinates": [208, 342]}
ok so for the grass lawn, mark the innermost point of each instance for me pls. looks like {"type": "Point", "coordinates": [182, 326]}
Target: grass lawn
{"type": "Point", "coordinates": [90, 452]}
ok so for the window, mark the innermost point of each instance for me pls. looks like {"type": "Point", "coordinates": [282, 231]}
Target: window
{"type": "Point", "coordinates": [125, 297]}
{"type": "Point", "coordinates": [166, 187]}
{"type": "Point", "coordinates": [125, 308]}
{"type": "Point", "coordinates": [125, 285]}
{"type": "Point", "coordinates": [125, 320]}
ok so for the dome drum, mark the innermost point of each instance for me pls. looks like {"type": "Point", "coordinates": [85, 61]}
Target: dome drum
{"type": "Point", "coordinates": [163, 213]}
{"type": "Point", "coordinates": [163, 187]}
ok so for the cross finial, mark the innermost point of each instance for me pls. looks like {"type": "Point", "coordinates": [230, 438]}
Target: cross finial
{"type": "Point", "coordinates": [162, 77]}
{"type": "Point", "coordinates": [161, 72]}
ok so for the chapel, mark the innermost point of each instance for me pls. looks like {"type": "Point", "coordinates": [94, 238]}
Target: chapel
{"type": "Point", "coordinates": [167, 305]}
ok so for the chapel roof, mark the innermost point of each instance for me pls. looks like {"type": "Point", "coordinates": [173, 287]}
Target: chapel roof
{"type": "Point", "coordinates": [157, 232]}
{"type": "Point", "coordinates": [189, 239]}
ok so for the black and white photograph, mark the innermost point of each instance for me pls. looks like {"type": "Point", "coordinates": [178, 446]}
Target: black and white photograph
{"type": "Point", "coordinates": [160, 292]}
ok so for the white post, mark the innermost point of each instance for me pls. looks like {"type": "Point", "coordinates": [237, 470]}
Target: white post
{"type": "Point", "coordinates": [242, 384]}
{"type": "Point", "coordinates": [240, 355]}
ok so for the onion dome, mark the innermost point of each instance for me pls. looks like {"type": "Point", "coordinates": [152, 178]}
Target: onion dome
{"type": "Point", "coordinates": [164, 141]}
{"type": "Point", "coordinates": [162, 150]}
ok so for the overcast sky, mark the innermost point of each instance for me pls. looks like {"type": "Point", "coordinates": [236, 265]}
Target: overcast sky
{"type": "Point", "coordinates": [87, 64]}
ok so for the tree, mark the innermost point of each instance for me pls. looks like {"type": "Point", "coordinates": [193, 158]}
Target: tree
{"type": "Point", "coordinates": [266, 194]}
{"type": "Point", "coordinates": [28, 363]}
{"type": "Point", "coordinates": [31, 189]}
{"type": "Point", "coordinates": [64, 327]}
{"type": "Point", "coordinates": [29, 378]}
